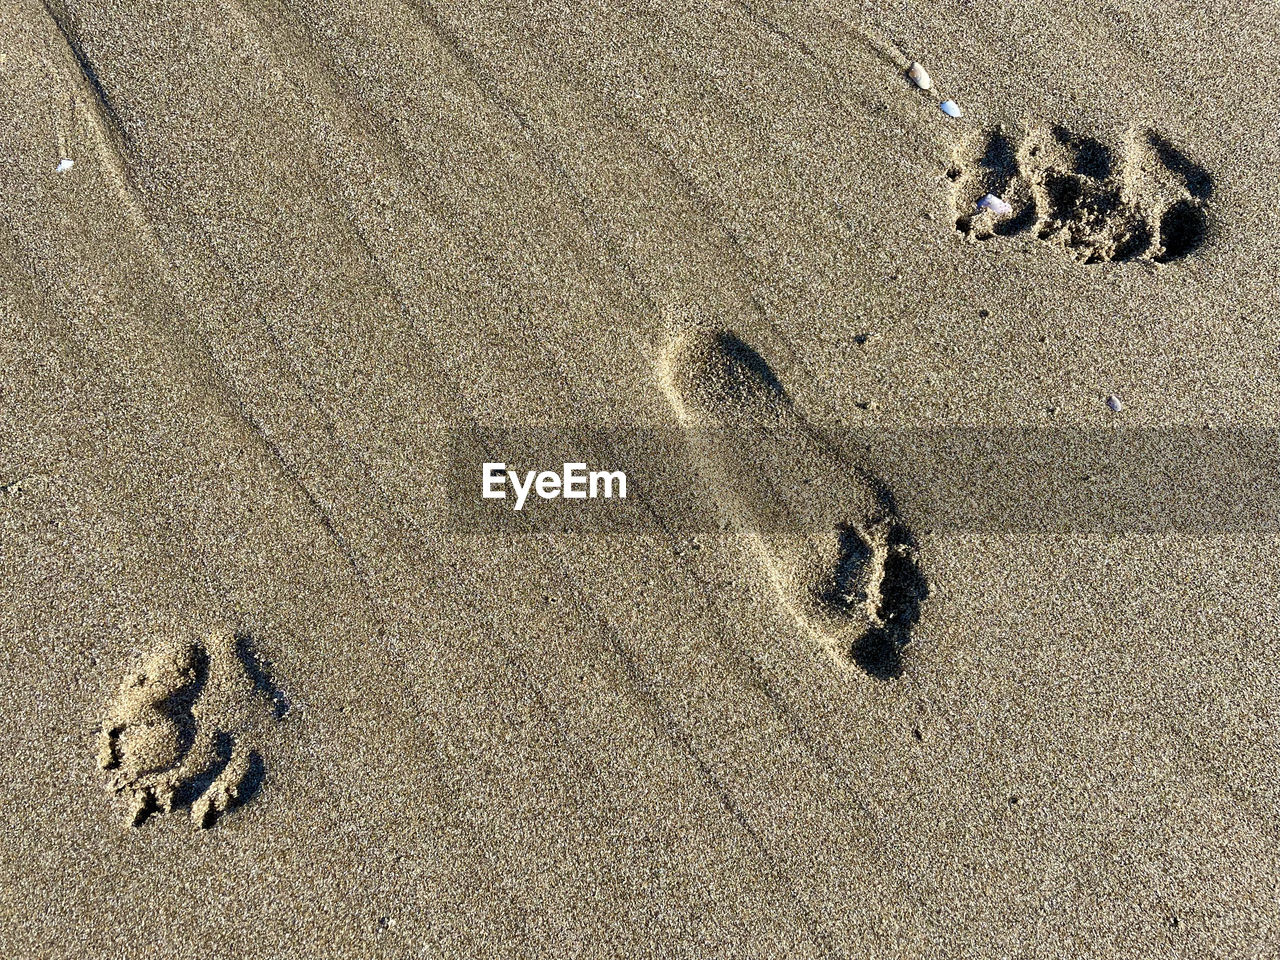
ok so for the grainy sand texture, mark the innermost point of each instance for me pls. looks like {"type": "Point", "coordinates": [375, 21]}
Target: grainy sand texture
{"type": "Point", "coordinates": [278, 682]}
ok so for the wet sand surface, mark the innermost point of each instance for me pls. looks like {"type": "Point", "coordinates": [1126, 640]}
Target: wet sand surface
{"type": "Point", "coordinates": [269, 693]}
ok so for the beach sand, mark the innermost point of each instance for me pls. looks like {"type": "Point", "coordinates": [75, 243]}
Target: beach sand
{"type": "Point", "coordinates": [273, 689]}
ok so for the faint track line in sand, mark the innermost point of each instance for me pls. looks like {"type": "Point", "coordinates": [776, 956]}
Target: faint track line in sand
{"type": "Point", "coordinates": [102, 101]}
{"type": "Point", "coordinates": [114, 146]}
{"type": "Point", "coordinates": [663, 722]}
{"type": "Point", "coordinates": [402, 156]}
{"type": "Point", "coordinates": [673, 733]}
{"type": "Point", "coordinates": [886, 51]}
{"type": "Point", "coordinates": [115, 143]}
{"type": "Point", "coordinates": [539, 144]}
{"type": "Point", "coordinates": [350, 554]}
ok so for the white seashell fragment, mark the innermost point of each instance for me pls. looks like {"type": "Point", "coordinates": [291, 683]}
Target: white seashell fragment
{"type": "Point", "coordinates": [920, 76]}
{"type": "Point", "coordinates": [990, 202]}
{"type": "Point", "coordinates": [1114, 403]}
{"type": "Point", "coordinates": [951, 108]}
{"type": "Point", "coordinates": [64, 165]}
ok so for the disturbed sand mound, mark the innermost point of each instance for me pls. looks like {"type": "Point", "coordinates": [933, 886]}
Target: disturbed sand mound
{"type": "Point", "coordinates": [827, 534]}
{"type": "Point", "coordinates": [184, 730]}
{"type": "Point", "coordinates": [1139, 199]}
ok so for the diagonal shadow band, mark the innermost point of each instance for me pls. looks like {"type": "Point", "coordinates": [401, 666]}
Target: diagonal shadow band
{"type": "Point", "coordinates": [1031, 480]}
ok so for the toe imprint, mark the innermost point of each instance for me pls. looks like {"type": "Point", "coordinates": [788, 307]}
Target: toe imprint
{"type": "Point", "coordinates": [828, 535]}
{"type": "Point", "coordinates": [184, 729]}
{"type": "Point", "coordinates": [1141, 199]}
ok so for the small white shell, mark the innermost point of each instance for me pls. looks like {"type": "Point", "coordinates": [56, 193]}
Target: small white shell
{"type": "Point", "coordinates": [1114, 403]}
{"type": "Point", "coordinates": [64, 165]}
{"type": "Point", "coordinates": [951, 108]}
{"type": "Point", "coordinates": [920, 76]}
{"type": "Point", "coordinates": [995, 205]}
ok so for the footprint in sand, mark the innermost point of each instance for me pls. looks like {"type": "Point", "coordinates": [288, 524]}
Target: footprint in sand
{"type": "Point", "coordinates": [184, 730]}
{"type": "Point", "coordinates": [826, 532]}
{"type": "Point", "coordinates": [1139, 199]}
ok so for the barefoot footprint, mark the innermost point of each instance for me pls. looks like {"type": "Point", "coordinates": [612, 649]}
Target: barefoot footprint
{"type": "Point", "coordinates": [827, 534]}
{"type": "Point", "coordinates": [179, 734]}
{"type": "Point", "coordinates": [1139, 199]}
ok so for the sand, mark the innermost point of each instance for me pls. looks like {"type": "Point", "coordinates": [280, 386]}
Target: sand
{"type": "Point", "coordinates": [276, 687]}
